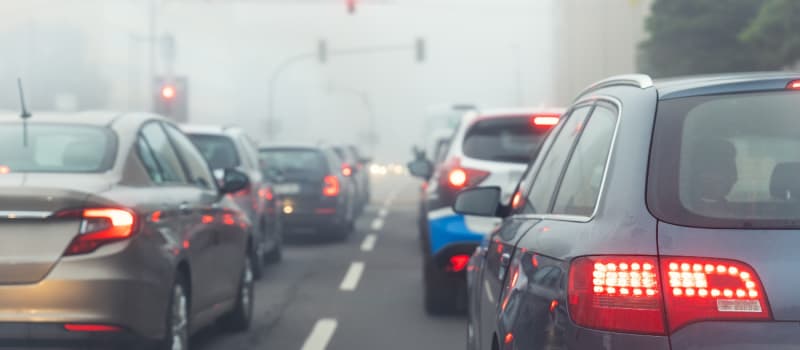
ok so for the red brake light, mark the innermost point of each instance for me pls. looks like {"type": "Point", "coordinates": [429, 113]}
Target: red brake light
{"type": "Point", "coordinates": [74, 327]}
{"type": "Point", "coordinates": [711, 289]}
{"type": "Point", "coordinates": [330, 186]}
{"type": "Point", "coordinates": [459, 177]}
{"type": "Point", "coordinates": [101, 226]}
{"type": "Point", "coordinates": [616, 293]}
{"type": "Point", "coordinates": [793, 85]}
{"type": "Point", "coordinates": [458, 263]}
{"type": "Point", "coordinates": [347, 170]}
{"type": "Point", "coordinates": [622, 293]}
{"type": "Point", "coordinates": [266, 193]}
{"type": "Point", "coordinates": [545, 120]}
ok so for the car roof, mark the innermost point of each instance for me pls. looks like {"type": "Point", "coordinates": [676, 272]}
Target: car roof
{"type": "Point", "coordinates": [701, 85]}
{"type": "Point", "coordinates": [94, 118]}
{"type": "Point", "coordinates": [288, 146]}
{"type": "Point", "coordinates": [210, 129]}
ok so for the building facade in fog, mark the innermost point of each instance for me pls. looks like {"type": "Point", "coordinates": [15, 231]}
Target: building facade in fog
{"type": "Point", "coordinates": [595, 39]}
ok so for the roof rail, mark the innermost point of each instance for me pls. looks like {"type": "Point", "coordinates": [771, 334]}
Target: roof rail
{"type": "Point", "coordinates": [642, 81]}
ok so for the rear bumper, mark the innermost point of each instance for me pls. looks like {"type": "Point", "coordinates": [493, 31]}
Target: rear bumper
{"type": "Point", "coordinates": [737, 336]}
{"type": "Point", "coordinates": [90, 290]}
{"type": "Point", "coordinates": [311, 221]}
{"type": "Point", "coordinates": [54, 336]}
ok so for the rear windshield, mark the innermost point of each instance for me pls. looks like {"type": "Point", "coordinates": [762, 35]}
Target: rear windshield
{"type": "Point", "coordinates": [507, 139]}
{"type": "Point", "coordinates": [56, 148]}
{"type": "Point", "coordinates": [727, 161]}
{"type": "Point", "coordinates": [291, 161]}
{"type": "Point", "coordinates": [219, 151]}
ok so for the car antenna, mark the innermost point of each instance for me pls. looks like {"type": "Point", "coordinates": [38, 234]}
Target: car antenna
{"type": "Point", "coordinates": [25, 115]}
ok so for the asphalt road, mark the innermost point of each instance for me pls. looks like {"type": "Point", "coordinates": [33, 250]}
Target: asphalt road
{"type": "Point", "coordinates": [364, 293]}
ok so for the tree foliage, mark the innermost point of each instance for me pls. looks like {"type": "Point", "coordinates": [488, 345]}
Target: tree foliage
{"type": "Point", "coordinates": [774, 34]}
{"type": "Point", "coordinates": [699, 36]}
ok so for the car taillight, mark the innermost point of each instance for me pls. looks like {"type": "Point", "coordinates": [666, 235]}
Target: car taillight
{"type": "Point", "coordinates": [458, 263]}
{"type": "Point", "coordinates": [711, 289]}
{"type": "Point", "coordinates": [347, 170]}
{"type": "Point", "coordinates": [266, 193]}
{"type": "Point", "coordinates": [623, 293]}
{"type": "Point", "coordinates": [83, 327]}
{"type": "Point", "coordinates": [100, 226]}
{"type": "Point", "coordinates": [793, 85]}
{"type": "Point", "coordinates": [458, 177]}
{"type": "Point", "coordinates": [330, 186]}
{"type": "Point", "coordinates": [546, 120]}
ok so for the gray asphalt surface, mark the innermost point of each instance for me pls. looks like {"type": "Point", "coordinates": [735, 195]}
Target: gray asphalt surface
{"type": "Point", "coordinates": [383, 311]}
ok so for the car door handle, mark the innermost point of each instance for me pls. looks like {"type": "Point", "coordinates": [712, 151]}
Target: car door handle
{"type": "Point", "coordinates": [184, 208]}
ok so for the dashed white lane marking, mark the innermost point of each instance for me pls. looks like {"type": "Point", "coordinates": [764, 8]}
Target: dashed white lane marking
{"type": "Point", "coordinates": [369, 242]}
{"type": "Point", "coordinates": [488, 289]}
{"type": "Point", "coordinates": [377, 224]}
{"type": "Point", "coordinates": [383, 212]}
{"type": "Point", "coordinates": [353, 275]}
{"type": "Point", "coordinates": [321, 334]}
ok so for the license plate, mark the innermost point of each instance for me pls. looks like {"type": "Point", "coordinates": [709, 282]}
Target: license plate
{"type": "Point", "coordinates": [287, 189]}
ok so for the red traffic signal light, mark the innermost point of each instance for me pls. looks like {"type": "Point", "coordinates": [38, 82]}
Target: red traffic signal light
{"type": "Point", "coordinates": [168, 92]}
{"type": "Point", "coordinates": [351, 6]}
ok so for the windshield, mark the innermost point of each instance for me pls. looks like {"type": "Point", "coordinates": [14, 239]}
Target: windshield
{"type": "Point", "coordinates": [506, 139]}
{"type": "Point", "coordinates": [292, 162]}
{"type": "Point", "coordinates": [218, 150]}
{"type": "Point", "coordinates": [56, 148]}
{"type": "Point", "coordinates": [728, 161]}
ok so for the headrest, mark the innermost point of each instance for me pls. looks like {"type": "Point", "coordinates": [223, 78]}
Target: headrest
{"type": "Point", "coordinates": [785, 181]}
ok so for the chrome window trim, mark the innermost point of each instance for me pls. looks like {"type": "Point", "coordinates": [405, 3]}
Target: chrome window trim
{"type": "Point", "coordinates": [13, 214]}
{"type": "Point", "coordinates": [580, 218]}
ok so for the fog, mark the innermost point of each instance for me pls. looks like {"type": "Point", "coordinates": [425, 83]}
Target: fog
{"type": "Point", "coordinates": [94, 54]}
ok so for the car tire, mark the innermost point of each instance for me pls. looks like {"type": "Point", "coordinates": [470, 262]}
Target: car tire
{"type": "Point", "coordinates": [439, 300]}
{"type": "Point", "coordinates": [177, 318]}
{"type": "Point", "coordinates": [240, 318]}
{"type": "Point", "coordinates": [257, 256]}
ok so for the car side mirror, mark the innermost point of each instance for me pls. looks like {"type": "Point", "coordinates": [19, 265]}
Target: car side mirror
{"type": "Point", "coordinates": [233, 181]}
{"type": "Point", "coordinates": [421, 168]}
{"type": "Point", "coordinates": [479, 201]}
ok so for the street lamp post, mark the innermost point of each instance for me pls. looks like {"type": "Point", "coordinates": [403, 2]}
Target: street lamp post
{"type": "Point", "coordinates": [367, 101]}
{"type": "Point", "coordinates": [273, 80]}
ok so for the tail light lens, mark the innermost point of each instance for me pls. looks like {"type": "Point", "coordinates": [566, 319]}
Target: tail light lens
{"type": "Point", "coordinates": [711, 289]}
{"type": "Point", "coordinates": [347, 170]}
{"type": "Point", "coordinates": [266, 193]}
{"type": "Point", "coordinates": [98, 328]}
{"type": "Point", "coordinates": [458, 177]}
{"type": "Point", "coordinates": [330, 186]}
{"type": "Point", "coordinates": [623, 293]}
{"type": "Point", "coordinates": [458, 263]}
{"type": "Point", "coordinates": [545, 120]}
{"type": "Point", "coordinates": [101, 226]}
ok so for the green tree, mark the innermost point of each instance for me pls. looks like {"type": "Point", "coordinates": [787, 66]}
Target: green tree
{"type": "Point", "coordinates": [698, 37]}
{"type": "Point", "coordinates": [774, 34]}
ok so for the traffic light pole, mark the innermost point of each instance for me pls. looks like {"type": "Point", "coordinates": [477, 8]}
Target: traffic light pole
{"type": "Point", "coordinates": [289, 61]}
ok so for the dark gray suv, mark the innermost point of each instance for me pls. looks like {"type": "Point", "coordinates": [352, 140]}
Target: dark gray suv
{"type": "Point", "coordinates": [657, 216]}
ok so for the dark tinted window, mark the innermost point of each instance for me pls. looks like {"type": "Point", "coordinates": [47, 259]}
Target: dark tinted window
{"type": "Point", "coordinates": [219, 150]}
{"type": "Point", "coordinates": [550, 169]}
{"type": "Point", "coordinates": [163, 153]}
{"type": "Point", "coordinates": [581, 184]}
{"type": "Point", "coordinates": [296, 161]}
{"type": "Point", "coordinates": [507, 139]}
{"type": "Point", "coordinates": [149, 161]}
{"type": "Point", "coordinates": [198, 169]}
{"type": "Point", "coordinates": [727, 161]}
{"type": "Point", "coordinates": [57, 148]}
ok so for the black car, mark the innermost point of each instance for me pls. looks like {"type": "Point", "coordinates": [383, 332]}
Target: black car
{"type": "Point", "coordinates": [316, 194]}
{"type": "Point", "coordinates": [354, 169]}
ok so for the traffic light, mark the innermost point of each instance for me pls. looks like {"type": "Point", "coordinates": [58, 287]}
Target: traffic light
{"type": "Point", "coordinates": [420, 50]}
{"type": "Point", "coordinates": [351, 6]}
{"type": "Point", "coordinates": [322, 51]}
{"type": "Point", "coordinates": [170, 98]}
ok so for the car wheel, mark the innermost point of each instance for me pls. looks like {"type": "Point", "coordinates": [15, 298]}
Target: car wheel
{"type": "Point", "coordinates": [257, 256]}
{"type": "Point", "coordinates": [438, 299]}
{"type": "Point", "coordinates": [241, 316]}
{"type": "Point", "coordinates": [177, 319]}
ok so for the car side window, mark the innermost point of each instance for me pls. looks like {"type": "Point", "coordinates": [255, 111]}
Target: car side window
{"type": "Point", "coordinates": [149, 161]}
{"type": "Point", "coordinates": [163, 153]}
{"type": "Point", "coordinates": [549, 171]}
{"type": "Point", "coordinates": [196, 165]}
{"type": "Point", "coordinates": [583, 178]}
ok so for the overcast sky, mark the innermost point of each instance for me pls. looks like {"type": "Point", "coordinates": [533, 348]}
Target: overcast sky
{"type": "Point", "coordinates": [228, 50]}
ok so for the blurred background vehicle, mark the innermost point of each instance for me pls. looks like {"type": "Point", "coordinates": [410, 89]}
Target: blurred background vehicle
{"type": "Point", "coordinates": [491, 148]}
{"type": "Point", "coordinates": [116, 234]}
{"type": "Point", "coordinates": [229, 147]}
{"type": "Point", "coordinates": [315, 193]}
{"type": "Point", "coordinates": [353, 166]}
